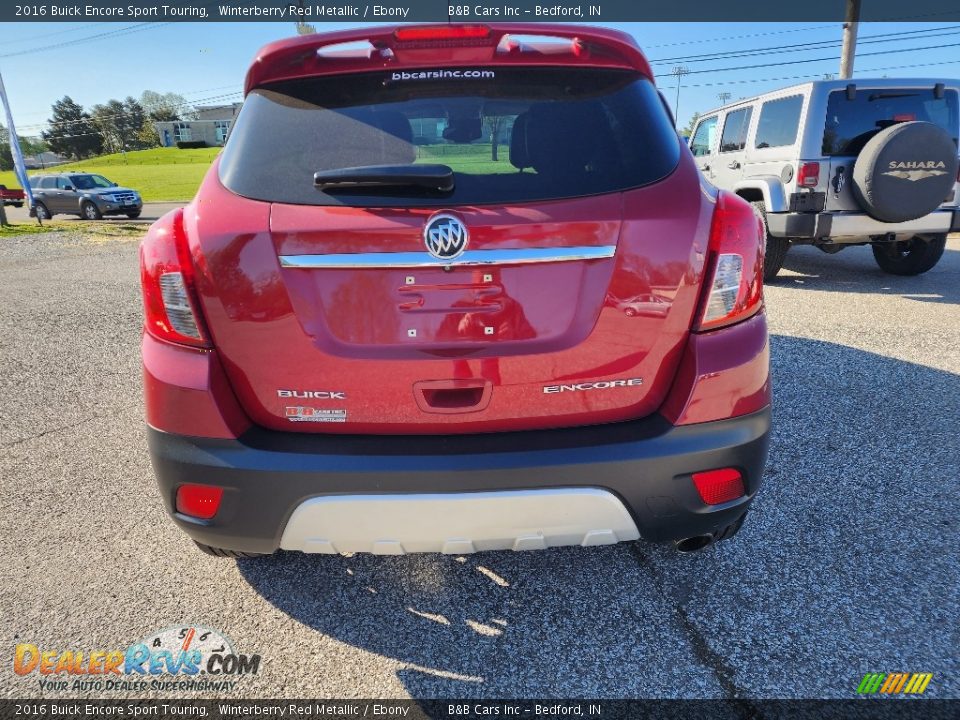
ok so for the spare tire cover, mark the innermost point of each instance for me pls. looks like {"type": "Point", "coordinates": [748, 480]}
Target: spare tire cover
{"type": "Point", "coordinates": [905, 171]}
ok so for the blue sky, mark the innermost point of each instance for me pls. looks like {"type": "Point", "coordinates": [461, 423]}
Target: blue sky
{"type": "Point", "coordinates": [206, 62]}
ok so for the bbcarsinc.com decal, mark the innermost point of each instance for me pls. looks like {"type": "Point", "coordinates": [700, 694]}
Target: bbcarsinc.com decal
{"type": "Point", "coordinates": [187, 658]}
{"type": "Point", "coordinates": [465, 74]}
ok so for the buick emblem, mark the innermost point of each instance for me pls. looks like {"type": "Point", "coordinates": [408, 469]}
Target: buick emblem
{"type": "Point", "coordinates": [445, 237]}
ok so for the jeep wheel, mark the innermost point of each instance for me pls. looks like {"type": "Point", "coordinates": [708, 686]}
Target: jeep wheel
{"type": "Point", "coordinates": [777, 247]}
{"type": "Point", "coordinates": [133, 215]}
{"type": "Point", "coordinates": [910, 257]}
{"type": "Point", "coordinates": [221, 552]}
{"type": "Point", "coordinates": [41, 211]}
{"type": "Point", "coordinates": [89, 211]}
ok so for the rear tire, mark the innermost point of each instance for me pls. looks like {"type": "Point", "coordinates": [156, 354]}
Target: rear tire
{"type": "Point", "coordinates": [223, 553]}
{"type": "Point", "coordinates": [17, 204]}
{"type": "Point", "coordinates": [776, 247]}
{"type": "Point", "coordinates": [89, 211]}
{"type": "Point", "coordinates": [910, 257]}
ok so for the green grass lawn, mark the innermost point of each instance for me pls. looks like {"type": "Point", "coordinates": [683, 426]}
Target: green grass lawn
{"type": "Point", "coordinates": [90, 231]}
{"type": "Point", "coordinates": [174, 175]}
{"type": "Point", "coordinates": [469, 159]}
{"type": "Point", "coordinates": [158, 174]}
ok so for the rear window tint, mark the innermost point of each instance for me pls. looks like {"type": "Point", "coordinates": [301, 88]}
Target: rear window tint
{"type": "Point", "coordinates": [778, 122]}
{"type": "Point", "coordinates": [735, 129]}
{"type": "Point", "coordinates": [852, 123]}
{"type": "Point", "coordinates": [521, 135]}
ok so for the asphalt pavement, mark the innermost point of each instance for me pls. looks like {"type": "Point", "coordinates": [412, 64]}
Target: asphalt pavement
{"type": "Point", "coordinates": [151, 212]}
{"type": "Point", "coordinates": [847, 564]}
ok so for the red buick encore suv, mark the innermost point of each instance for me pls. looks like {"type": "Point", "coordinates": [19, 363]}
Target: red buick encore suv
{"type": "Point", "coordinates": [450, 289]}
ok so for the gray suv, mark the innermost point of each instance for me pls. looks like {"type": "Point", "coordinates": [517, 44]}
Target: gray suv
{"type": "Point", "coordinates": [843, 162]}
{"type": "Point", "coordinates": [85, 194]}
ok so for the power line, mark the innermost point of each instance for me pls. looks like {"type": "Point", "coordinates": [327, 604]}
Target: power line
{"type": "Point", "coordinates": [49, 34]}
{"type": "Point", "coordinates": [740, 37]}
{"type": "Point", "coordinates": [822, 59]}
{"type": "Point", "coordinates": [128, 30]}
{"type": "Point", "coordinates": [819, 45]}
{"type": "Point", "coordinates": [812, 77]}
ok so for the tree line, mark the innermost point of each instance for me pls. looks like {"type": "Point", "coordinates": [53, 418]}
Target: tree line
{"type": "Point", "coordinates": [110, 127]}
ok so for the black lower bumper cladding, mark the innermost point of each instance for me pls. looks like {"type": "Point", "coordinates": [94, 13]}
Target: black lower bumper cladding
{"type": "Point", "coordinates": [647, 463]}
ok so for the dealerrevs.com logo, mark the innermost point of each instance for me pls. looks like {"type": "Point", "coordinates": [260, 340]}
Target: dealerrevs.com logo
{"type": "Point", "coordinates": [442, 75]}
{"type": "Point", "coordinates": [181, 658]}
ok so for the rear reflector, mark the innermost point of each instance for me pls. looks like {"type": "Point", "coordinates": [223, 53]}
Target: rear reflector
{"type": "Point", "coordinates": [719, 486]}
{"type": "Point", "coordinates": [809, 174]}
{"type": "Point", "coordinates": [199, 501]}
{"type": "Point", "coordinates": [441, 32]}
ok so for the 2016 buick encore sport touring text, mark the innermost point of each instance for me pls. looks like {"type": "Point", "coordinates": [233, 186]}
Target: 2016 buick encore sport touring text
{"type": "Point", "coordinates": [452, 289]}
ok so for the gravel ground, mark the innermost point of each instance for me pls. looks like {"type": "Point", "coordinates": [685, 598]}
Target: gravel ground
{"type": "Point", "coordinates": [848, 563]}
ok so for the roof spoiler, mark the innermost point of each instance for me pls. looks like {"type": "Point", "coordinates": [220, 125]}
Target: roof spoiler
{"type": "Point", "coordinates": [429, 46]}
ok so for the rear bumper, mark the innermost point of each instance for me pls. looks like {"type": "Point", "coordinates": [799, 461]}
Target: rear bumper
{"type": "Point", "coordinates": [856, 225]}
{"type": "Point", "coordinates": [645, 464]}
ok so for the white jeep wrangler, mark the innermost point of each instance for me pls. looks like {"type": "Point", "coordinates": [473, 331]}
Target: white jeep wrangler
{"type": "Point", "coordinates": [843, 162]}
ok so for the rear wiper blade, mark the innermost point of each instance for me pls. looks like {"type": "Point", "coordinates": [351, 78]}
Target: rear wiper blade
{"type": "Point", "coordinates": [438, 178]}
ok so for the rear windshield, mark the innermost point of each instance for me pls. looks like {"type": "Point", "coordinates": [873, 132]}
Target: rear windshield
{"type": "Point", "coordinates": [520, 135]}
{"type": "Point", "coordinates": [851, 123]}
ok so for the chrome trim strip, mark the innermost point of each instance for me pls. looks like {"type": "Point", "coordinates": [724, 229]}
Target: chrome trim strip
{"type": "Point", "coordinates": [512, 256]}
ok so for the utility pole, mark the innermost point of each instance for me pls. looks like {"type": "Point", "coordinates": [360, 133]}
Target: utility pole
{"type": "Point", "coordinates": [679, 71]}
{"type": "Point", "coordinates": [723, 97]}
{"type": "Point", "coordinates": [850, 26]}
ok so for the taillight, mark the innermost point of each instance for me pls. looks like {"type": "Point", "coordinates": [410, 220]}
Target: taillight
{"type": "Point", "coordinates": [734, 273]}
{"type": "Point", "coordinates": [809, 174]}
{"type": "Point", "coordinates": [719, 486]}
{"type": "Point", "coordinates": [199, 501]}
{"type": "Point", "coordinates": [441, 32]}
{"type": "Point", "coordinates": [166, 278]}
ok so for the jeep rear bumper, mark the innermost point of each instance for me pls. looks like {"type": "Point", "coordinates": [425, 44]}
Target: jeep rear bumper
{"type": "Point", "coordinates": [645, 464]}
{"type": "Point", "coordinates": [857, 226]}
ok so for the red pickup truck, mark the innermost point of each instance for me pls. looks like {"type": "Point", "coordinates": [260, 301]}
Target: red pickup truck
{"type": "Point", "coordinates": [12, 197]}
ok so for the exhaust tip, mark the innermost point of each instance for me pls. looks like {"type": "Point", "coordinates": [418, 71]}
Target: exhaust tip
{"type": "Point", "coordinates": [693, 544]}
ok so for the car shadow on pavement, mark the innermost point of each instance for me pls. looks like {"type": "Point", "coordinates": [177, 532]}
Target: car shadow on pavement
{"type": "Point", "coordinates": [854, 270]}
{"type": "Point", "coordinates": [845, 565]}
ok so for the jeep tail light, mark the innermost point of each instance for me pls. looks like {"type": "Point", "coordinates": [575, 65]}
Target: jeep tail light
{"type": "Point", "coordinates": [719, 486]}
{"type": "Point", "coordinates": [809, 174]}
{"type": "Point", "coordinates": [734, 271]}
{"type": "Point", "coordinates": [199, 501]}
{"type": "Point", "coordinates": [166, 277]}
